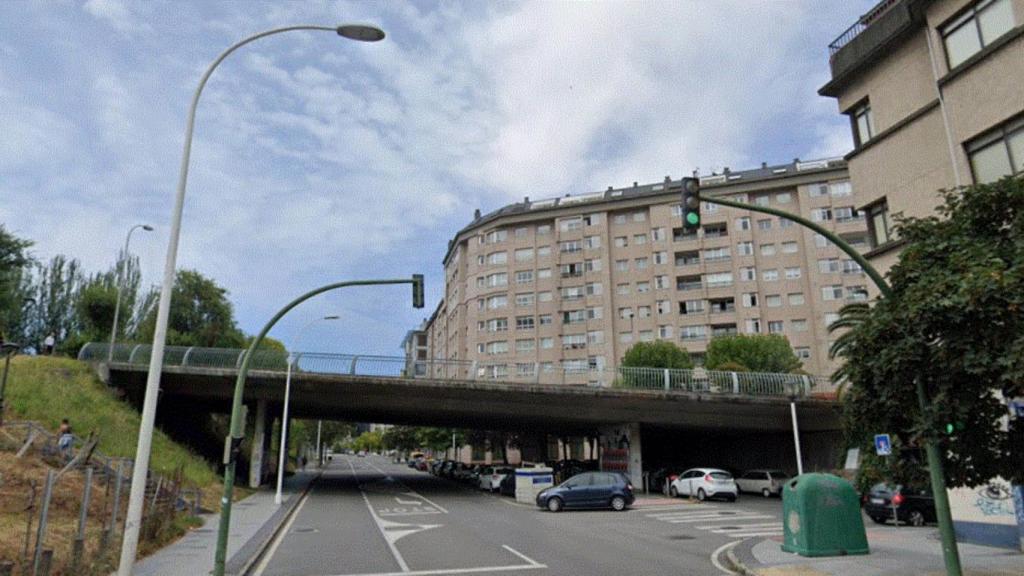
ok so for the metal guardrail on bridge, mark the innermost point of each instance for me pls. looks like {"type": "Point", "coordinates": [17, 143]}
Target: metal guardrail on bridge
{"type": "Point", "coordinates": [698, 380]}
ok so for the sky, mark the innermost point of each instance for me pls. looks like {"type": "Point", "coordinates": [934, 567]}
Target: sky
{"type": "Point", "coordinates": [317, 159]}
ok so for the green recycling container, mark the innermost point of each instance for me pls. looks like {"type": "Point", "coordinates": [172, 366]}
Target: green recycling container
{"type": "Point", "coordinates": [821, 517]}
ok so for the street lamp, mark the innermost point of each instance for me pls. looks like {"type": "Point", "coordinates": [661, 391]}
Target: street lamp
{"type": "Point", "coordinates": [8, 349]}
{"type": "Point", "coordinates": [120, 285]}
{"type": "Point", "coordinates": [133, 521]}
{"type": "Point", "coordinates": [283, 447]}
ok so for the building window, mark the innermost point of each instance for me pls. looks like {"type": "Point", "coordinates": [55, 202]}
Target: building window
{"type": "Point", "coordinates": [619, 219]}
{"type": "Point", "coordinates": [574, 317]}
{"type": "Point", "coordinates": [878, 224]}
{"type": "Point", "coordinates": [544, 297]}
{"type": "Point", "coordinates": [775, 326]}
{"type": "Point", "coordinates": [830, 317]}
{"type": "Point", "coordinates": [591, 219]}
{"type": "Point", "coordinates": [591, 242]}
{"type": "Point", "coordinates": [847, 214]}
{"type": "Point", "coordinates": [818, 190]}
{"type": "Point", "coordinates": [743, 223]}
{"type": "Point", "coordinates": [838, 189]}
{"type": "Point", "coordinates": [595, 337]}
{"type": "Point", "coordinates": [773, 300]}
{"type": "Point", "coordinates": [796, 299]}
{"type": "Point", "coordinates": [745, 248]}
{"type": "Point", "coordinates": [497, 258]}
{"type": "Point", "coordinates": [593, 265]}
{"type": "Point", "coordinates": [789, 248]}
{"type": "Point", "coordinates": [692, 332]}
{"type": "Point", "coordinates": [798, 325]}
{"type": "Point", "coordinates": [497, 347]}
{"type": "Point", "coordinates": [571, 224]}
{"type": "Point", "coordinates": [522, 232]}
{"type": "Point", "coordinates": [785, 223]}
{"type": "Point", "coordinates": [762, 200]}
{"type": "Point", "coordinates": [497, 280]}
{"type": "Point", "coordinates": [626, 337]}
{"type": "Point", "coordinates": [657, 234]}
{"type": "Point", "coordinates": [622, 265]}
{"type": "Point", "coordinates": [665, 331]}
{"type": "Point", "coordinates": [783, 197]}
{"type": "Point", "coordinates": [525, 299]}
{"type": "Point", "coordinates": [625, 313]}
{"type": "Point", "coordinates": [643, 287]}
{"type": "Point", "coordinates": [641, 263]}
{"type": "Point", "coordinates": [524, 322]}
{"type": "Point", "coordinates": [691, 307]}
{"type": "Point", "coordinates": [544, 229]}
{"type": "Point", "coordinates": [851, 267]}
{"type": "Point", "coordinates": [524, 254]}
{"type": "Point", "coordinates": [663, 307]}
{"type": "Point", "coordinates": [544, 320]}
{"type": "Point", "coordinates": [828, 265]}
{"type": "Point", "coordinates": [661, 282]}
{"type": "Point", "coordinates": [767, 249]}
{"type": "Point", "coordinates": [857, 293]}
{"type": "Point", "coordinates": [495, 302]}
{"type": "Point", "coordinates": [647, 335]}
{"type": "Point", "coordinates": [719, 280]}
{"type": "Point", "coordinates": [522, 369]}
{"type": "Point", "coordinates": [524, 277]}
{"type": "Point", "coordinates": [749, 300]}
{"type": "Point", "coordinates": [643, 311]}
{"type": "Point", "coordinates": [717, 254]}
{"type": "Point", "coordinates": [793, 273]}
{"type": "Point", "coordinates": [544, 251]}
{"type": "Point", "coordinates": [547, 343]}
{"type": "Point", "coordinates": [765, 224]}
{"type": "Point", "coordinates": [622, 289]}
{"type": "Point", "coordinates": [661, 257]}
{"type": "Point", "coordinates": [639, 216]}
{"type": "Point", "coordinates": [753, 325]}
{"type": "Point", "coordinates": [572, 293]}
{"type": "Point", "coordinates": [771, 275]}
{"type": "Point", "coordinates": [748, 274]}
{"type": "Point", "coordinates": [820, 241]}
{"type": "Point", "coordinates": [621, 242]}
{"type": "Point", "coordinates": [495, 236]}
{"type": "Point", "coordinates": [594, 313]}
{"type": "Point", "coordinates": [998, 153]}
{"type": "Point", "coordinates": [832, 292]}
{"type": "Point", "coordinates": [593, 289]}
{"type": "Point", "coordinates": [821, 214]}
{"type": "Point", "coordinates": [863, 124]}
{"type": "Point", "coordinates": [639, 239]}
{"type": "Point", "coordinates": [543, 273]}
{"type": "Point", "coordinates": [802, 352]}
{"type": "Point", "coordinates": [570, 246]}
{"type": "Point", "coordinates": [525, 345]}
{"type": "Point", "coordinates": [976, 28]}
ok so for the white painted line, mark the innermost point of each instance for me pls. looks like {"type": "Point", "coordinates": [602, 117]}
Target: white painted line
{"type": "Point", "coordinates": [753, 534]}
{"type": "Point", "coordinates": [686, 513]}
{"type": "Point", "coordinates": [453, 571]}
{"type": "Point", "coordinates": [408, 492]}
{"type": "Point", "coordinates": [707, 515]}
{"type": "Point", "coordinates": [391, 543]}
{"type": "Point", "coordinates": [742, 526]}
{"type": "Point", "coordinates": [718, 553]}
{"type": "Point", "coordinates": [280, 536]}
{"type": "Point", "coordinates": [521, 555]}
{"type": "Point", "coordinates": [718, 519]}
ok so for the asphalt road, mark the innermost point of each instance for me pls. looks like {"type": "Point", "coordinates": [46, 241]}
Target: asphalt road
{"type": "Point", "coordinates": [369, 517]}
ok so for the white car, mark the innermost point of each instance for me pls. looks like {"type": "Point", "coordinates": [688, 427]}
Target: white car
{"type": "Point", "coordinates": [491, 477]}
{"type": "Point", "coordinates": [704, 483]}
{"type": "Point", "coordinates": [765, 482]}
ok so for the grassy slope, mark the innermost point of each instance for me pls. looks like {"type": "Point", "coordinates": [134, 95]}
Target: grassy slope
{"type": "Point", "coordinates": [49, 389]}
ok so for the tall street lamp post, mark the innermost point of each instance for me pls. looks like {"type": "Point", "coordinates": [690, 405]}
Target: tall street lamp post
{"type": "Point", "coordinates": [234, 441]}
{"type": "Point", "coordinates": [129, 546]}
{"type": "Point", "coordinates": [283, 447]}
{"type": "Point", "coordinates": [120, 287]}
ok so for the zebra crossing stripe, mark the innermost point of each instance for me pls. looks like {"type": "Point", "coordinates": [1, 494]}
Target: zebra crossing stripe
{"type": "Point", "coordinates": [740, 528]}
{"type": "Point", "coordinates": [717, 519]}
{"type": "Point", "coordinates": [712, 512]}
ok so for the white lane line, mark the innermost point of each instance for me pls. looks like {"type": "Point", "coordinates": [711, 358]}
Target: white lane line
{"type": "Point", "coordinates": [415, 494]}
{"type": "Point", "coordinates": [717, 553]}
{"type": "Point", "coordinates": [743, 526]}
{"type": "Point", "coordinates": [688, 510]}
{"type": "Point", "coordinates": [699, 517]}
{"type": "Point", "coordinates": [753, 534]}
{"type": "Point", "coordinates": [529, 560]}
{"type": "Point", "coordinates": [717, 519]}
{"type": "Point", "coordinates": [280, 536]}
{"type": "Point", "coordinates": [453, 571]}
{"type": "Point", "coordinates": [380, 527]}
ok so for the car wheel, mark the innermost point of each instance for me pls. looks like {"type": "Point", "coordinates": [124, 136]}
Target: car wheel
{"type": "Point", "coordinates": [732, 498]}
{"type": "Point", "coordinates": [916, 518]}
{"type": "Point", "coordinates": [701, 495]}
{"type": "Point", "coordinates": [618, 503]}
{"type": "Point", "coordinates": [878, 519]}
{"type": "Point", "coordinates": [673, 492]}
{"type": "Point", "coordinates": [555, 504]}
{"type": "Point", "coordinates": [766, 493]}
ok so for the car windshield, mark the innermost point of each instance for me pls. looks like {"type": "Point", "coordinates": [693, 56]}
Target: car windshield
{"type": "Point", "coordinates": [721, 475]}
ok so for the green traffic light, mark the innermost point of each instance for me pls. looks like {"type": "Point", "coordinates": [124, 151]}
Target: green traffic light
{"type": "Point", "coordinates": [693, 218]}
{"type": "Point", "coordinates": [949, 428]}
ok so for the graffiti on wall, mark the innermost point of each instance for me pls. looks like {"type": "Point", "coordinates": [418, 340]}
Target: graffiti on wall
{"type": "Point", "coordinates": [995, 499]}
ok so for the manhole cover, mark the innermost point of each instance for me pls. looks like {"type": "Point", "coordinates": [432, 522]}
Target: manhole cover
{"type": "Point", "coordinates": [304, 530]}
{"type": "Point", "coordinates": [680, 537]}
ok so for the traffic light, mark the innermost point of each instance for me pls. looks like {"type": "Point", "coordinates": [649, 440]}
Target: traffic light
{"type": "Point", "coordinates": [691, 203]}
{"type": "Point", "coordinates": [417, 291]}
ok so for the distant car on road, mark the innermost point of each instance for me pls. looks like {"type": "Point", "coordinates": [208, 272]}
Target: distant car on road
{"type": "Point", "coordinates": [491, 477]}
{"type": "Point", "coordinates": [361, 454]}
{"type": "Point", "coordinates": [589, 490]}
{"type": "Point", "coordinates": [705, 483]}
{"type": "Point", "coordinates": [914, 506]}
{"type": "Point", "coordinates": [768, 483]}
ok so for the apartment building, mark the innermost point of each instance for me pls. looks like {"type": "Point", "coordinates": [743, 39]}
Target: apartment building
{"type": "Point", "coordinates": [933, 92]}
{"type": "Point", "coordinates": [573, 282]}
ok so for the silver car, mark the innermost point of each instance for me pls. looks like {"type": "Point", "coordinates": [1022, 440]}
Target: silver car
{"type": "Point", "coordinates": [768, 483]}
{"type": "Point", "coordinates": [704, 483]}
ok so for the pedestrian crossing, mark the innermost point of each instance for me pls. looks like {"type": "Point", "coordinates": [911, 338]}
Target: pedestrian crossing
{"type": "Point", "coordinates": [722, 520]}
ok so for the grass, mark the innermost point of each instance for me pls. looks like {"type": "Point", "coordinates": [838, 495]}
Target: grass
{"type": "Point", "coordinates": [47, 389]}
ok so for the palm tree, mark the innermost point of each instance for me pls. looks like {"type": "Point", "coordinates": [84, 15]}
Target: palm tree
{"type": "Point", "coordinates": [851, 317]}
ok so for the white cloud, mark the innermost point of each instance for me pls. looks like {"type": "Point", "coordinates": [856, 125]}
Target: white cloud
{"type": "Point", "coordinates": [118, 14]}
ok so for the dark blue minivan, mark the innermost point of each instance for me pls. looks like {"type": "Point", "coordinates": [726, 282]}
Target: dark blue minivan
{"type": "Point", "coordinates": [589, 490]}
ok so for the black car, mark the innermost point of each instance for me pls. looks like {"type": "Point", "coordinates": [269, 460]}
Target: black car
{"type": "Point", "coordinates": [589, 490]}
{"type": "Point", "coordinates": [914, 506]}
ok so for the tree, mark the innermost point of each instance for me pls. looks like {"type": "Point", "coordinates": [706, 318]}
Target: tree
{"type": "Point", "coordinates": [401, 438]}
{"type": "Point", "coordinates": [955, 322]}
{"type": "Point", "coordinates": [14, 258]}
{"type": "Point", "coordinates": [201, 314]}
{"type": "Point", "coordinates": [369, 441]}
{"type": "Point", "coordinates": [756, 352]}
{"type": "Point", "coordinates": [657, 354]}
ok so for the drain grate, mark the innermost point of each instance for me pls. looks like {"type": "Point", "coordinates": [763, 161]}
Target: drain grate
{"type": "Point", "coordinates": [681, 537]}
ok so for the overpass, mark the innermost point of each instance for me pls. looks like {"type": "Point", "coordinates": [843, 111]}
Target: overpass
{"type": "Point", "coordinates": [702, 404]}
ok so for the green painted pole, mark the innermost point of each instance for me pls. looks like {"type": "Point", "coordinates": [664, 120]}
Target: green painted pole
{"type": "Point", "coordinates": [236, 437]}
{"type": "Point", "coordinates": [936, 468]}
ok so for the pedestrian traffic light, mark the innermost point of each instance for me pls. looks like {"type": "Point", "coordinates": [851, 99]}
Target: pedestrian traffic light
{"type": "Point", "coordinates": [691, 203]}
{"type": "Point", "coordinates": [417, 291]}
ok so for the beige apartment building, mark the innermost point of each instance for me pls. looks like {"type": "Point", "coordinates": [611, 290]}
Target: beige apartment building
{"type": "Point", "coordinates": [573, 282]}
{"type": "Point", "coordinates": [934, 90]}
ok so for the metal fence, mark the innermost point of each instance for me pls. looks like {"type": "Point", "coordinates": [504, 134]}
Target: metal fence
{"type": "Point", "coordinates": [698, 380]}
{"type": "Point", "coordinates": [74, 512]}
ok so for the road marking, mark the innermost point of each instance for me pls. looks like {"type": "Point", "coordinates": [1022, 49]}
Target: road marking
{"type": "Point", "coordinates": [754, 534]}
{"type": "Point", "coordinates": [380, 526]}
{"type": "Point", "coordinates": [717, 553]}
{"type": "Point", "coordinates": [741, 527]}
{"type": "Point", "coordinates": [528, 560]}
{"type": "Point", "coordinates": [408, 492]}
{"type": "Point", "coordinates": [717, 519]}
{"type": "Point", "coordinates": [453, 571]}
{"type": "Point", "coordinates": [280, 535]}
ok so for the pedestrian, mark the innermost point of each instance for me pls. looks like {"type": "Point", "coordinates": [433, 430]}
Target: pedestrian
{"type": "Point", "coordinates": [48, 344]}
{"type": "Point", "coordinates": [64, 437]}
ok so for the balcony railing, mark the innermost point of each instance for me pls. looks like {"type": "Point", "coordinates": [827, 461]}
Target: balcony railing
{"type": "Point", "coordinates": [860, 25]}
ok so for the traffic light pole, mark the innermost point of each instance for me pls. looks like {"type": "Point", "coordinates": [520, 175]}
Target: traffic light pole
{"type": "Point", "coordinates": [950, 554]}
{"type": "Point", "coordinates": [237, 422]}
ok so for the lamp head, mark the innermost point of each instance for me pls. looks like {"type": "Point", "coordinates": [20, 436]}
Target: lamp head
{"type": "Point", "coordinates": [361, 32]}
{"type": "Point", "coordinates": [147, 227]}
{"type": "Point", "coordinates": [331, 317]}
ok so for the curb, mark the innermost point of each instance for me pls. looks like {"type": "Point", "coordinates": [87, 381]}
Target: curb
{"type": "Point", "coordinates": [741, 556]}
{"type": "Point", "coordinates": [242, 561]}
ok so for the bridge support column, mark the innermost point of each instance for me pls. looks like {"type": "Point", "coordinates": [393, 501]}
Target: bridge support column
{"type": "Point", "coordinates": [258, 445]}
{"type": "Point", "coordinates": [621, 451]}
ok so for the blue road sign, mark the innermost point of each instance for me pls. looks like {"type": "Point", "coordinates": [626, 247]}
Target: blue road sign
{"type": "Point", "coordinates": [1017, 408]}
{"type": "Point", "coordinates": [883, 446]}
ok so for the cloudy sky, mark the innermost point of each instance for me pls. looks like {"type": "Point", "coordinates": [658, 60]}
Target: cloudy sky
{"type": "Point", "coordinates": [317, 159]}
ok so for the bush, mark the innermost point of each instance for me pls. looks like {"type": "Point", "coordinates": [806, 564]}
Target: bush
{"type": "Point", "coordinates": [757, 352]}
{"type": "Point", "coordinates": [659, 354]}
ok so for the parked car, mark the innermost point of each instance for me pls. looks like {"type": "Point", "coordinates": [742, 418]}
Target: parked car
{"type": "Point", "coordinates": [914, 506]}
{"type": "Point", "coordinates": [464, 473]}
{"type": "Point", "coordinates": [508, 484]}
{"type": "Point", "coordinates": [491, 477]}
{"type": "Point", "coordinates": [705, 483]}
{"type": "Point", "coordinates": [589, 490]}
{"type": "Point", "coordinates": [765, 482]}
{"type": "Point", "coordinates": [421, 465]}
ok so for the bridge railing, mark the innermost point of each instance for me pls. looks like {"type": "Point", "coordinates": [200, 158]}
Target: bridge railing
{"type": "Point", "coordinates": [668, 380]}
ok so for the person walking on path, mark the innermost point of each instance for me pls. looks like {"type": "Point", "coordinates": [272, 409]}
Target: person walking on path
{"type": "Point", "coordinates": [48, 345]}
{"type": "Point", "coordinates": [65, 438]}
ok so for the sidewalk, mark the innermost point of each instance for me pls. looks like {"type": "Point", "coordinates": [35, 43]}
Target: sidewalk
{"type": "Point", "coordinates": [192, 555]}
{"type": "Point", "coordinates": [894, 551]}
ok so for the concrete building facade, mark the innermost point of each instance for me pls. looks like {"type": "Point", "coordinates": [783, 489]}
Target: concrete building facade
{"type": "Point", "coordinates": [573, 282]}
{"type": "Point", "coordinates": [933, 92]}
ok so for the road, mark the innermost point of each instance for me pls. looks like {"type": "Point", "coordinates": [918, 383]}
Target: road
{"type": "Point", "coordinates": [370, 517]}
